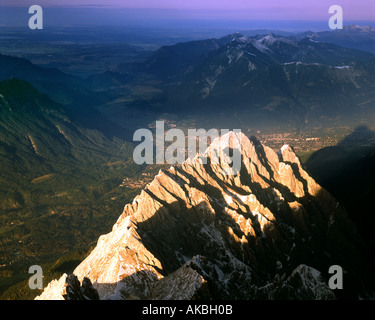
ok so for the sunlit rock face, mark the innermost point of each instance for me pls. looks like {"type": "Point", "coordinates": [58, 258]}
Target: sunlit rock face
{"type": "Point", "coordinates": [269, 231]}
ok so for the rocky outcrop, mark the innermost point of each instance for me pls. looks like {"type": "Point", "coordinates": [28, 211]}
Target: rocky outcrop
{"type": "Point", "coordinates": [269, 231]}
{"type": "Point", "coordinates": [75, 291]}
{"type": "Point", "coordinates": [305, 283]}
{"type": "Point", "coordinates": [183, 284]}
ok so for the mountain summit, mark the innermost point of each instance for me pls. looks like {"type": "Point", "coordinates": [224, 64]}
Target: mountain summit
{"type": "Point", "coordinates": [268, 232]}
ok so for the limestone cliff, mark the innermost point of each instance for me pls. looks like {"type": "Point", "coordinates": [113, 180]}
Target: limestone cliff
{"type": "Point", "coordinates": [267, 232]}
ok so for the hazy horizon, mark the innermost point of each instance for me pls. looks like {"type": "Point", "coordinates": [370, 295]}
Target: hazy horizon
{"type": "Point", "coordinates": [289, 15]}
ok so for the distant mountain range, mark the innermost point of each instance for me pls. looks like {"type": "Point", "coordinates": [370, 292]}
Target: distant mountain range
{"type": "Point", "coordinates": [61, 87]}
{"type": "Point", "coordinates": [284, 81]}
{"type": "Point", "coordinates": [351, 36]}
{"type": "Point", "coordinates": [267, 81]}
{"type": "Point", "coordinates": [262, 50]}
{"type": "Point", "coordinates": [74, 93]}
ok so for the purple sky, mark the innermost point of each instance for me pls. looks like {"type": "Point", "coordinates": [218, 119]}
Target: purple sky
{"type": "Point", "coordinates": [241, 9]}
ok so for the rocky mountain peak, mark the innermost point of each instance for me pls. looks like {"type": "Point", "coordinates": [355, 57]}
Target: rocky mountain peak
{"type": "Point", "coordinates": [195, 233]}
{"type": "Point", "coordinates": [359, 28]}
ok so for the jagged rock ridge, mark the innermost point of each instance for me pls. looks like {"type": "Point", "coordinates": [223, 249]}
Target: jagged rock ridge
{"type": "Point", "coordinates": [268, 232]}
